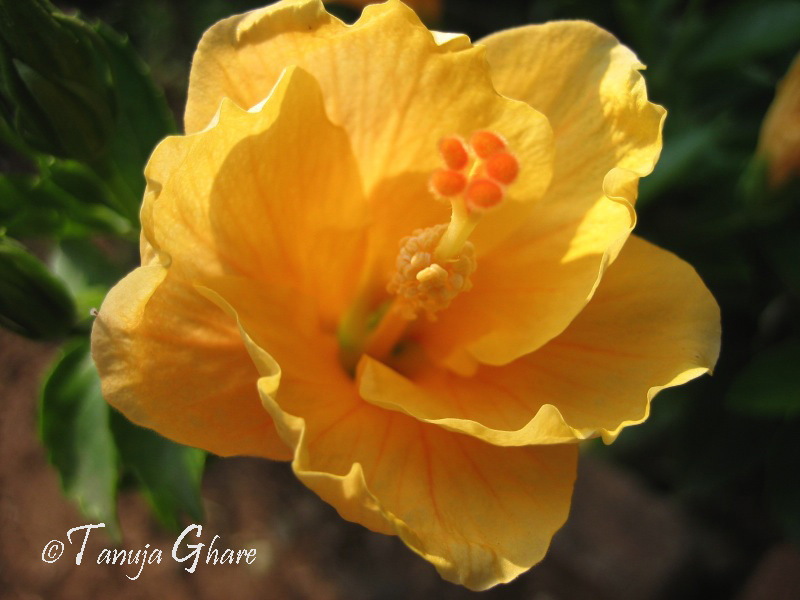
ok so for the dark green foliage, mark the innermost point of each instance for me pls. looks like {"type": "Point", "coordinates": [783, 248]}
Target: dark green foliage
{"type": "Point", "coordinates": [169, 474]}
{"type": "Point", "coordinates": [770, 385]}
{"type": "Point", "coordinates": [93, 448]}
{"type": "Point", "coordinates": [57, 88]}
{"type": "Point", "coordinates": [74, 428]}
{"type": "Point", "coordinates": [33, 302]}
{"type": "Point", "coordinates": [80, 116]}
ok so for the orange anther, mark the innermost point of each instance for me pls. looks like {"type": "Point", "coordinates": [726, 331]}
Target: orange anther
{"type": "Point", "coordinates": [502, 167]}
{"type": "Point", "coordinates": [445, 182]}
{"type": "Point", "coordinates": [483, 193]}
{"type": "Point", "coordinates": [454, 152]}
{"type": "Point", "coordinates": [486, 143]}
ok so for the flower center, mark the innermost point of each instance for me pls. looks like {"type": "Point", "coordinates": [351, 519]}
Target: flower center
{"type": "Point", "coordinates": [434, 264]}
{"type": "Point", "coordinates": [423, 285]}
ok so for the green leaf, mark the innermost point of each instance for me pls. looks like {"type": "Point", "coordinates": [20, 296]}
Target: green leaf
{"type": "Point", "coordinates": [35, 205]}
{"type": "Point", "coordinates": [79, 91]}
{"type": "Point", "coordinates": [33, 302]}
{"type": "Point", "coordinates": [143, 119]}
{"type": "Point", "coordinates": [169, 474]}
{"type": "Point", "coordinates": [24, 212]}
{"type": "Point", "coordinates": [78, 129]}
{"type": "Point", "coordinates": [74, 426]}
{"type": "Point", "coordinates": [751, 31]}
{"type": "Point", "coordinates": [89, 271]}
{"type": "Point", "coordinates": [54, 81]}
{"type": "Point", "coordinates": [81, 183]}
{"type": "Point", "coordinates": [770, 384]}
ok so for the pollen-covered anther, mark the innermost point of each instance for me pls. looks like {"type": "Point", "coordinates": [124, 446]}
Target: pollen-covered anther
{"type": "Point", "coordinates": [447, 183]}
{"type": "Point", "coordinates": [432, 275]}
{"type": "Point", "coordinates": [423, 285]}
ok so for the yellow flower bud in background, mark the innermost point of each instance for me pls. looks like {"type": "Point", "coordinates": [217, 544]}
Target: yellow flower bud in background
{"type": "Point", "coordinates": [779, 142]}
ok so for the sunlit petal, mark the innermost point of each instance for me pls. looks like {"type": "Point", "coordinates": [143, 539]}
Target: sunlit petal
{"type": "Point", "coordinates": [651, 325]}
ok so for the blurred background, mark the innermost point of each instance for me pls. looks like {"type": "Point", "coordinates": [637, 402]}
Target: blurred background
{"type": "Point", "coordinates": [701, 501]}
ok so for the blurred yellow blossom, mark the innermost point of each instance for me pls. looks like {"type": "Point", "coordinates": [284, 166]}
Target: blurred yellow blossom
{"type": "Point", "coordinates": [779, 142]}
{"type": "Point", "coordinates": [403, 262]}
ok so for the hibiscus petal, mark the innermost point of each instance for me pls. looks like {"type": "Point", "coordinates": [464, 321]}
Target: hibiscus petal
{"type": "Point", "coordinates": [430, 85]}
{"type": "Point", "coordinates": [529, 288]}
{"type": "Point", "coordinates": [651, 325]}
{"type": "Point", "coordinates": [169, 360]}
{"type": "Point", "coordinates": [607, 135]}
{"type": "Point", "coordinates": [594, 98]}
{"type": "Point", "coordinates": [481, 514]}
{"type": "Point", "coordinates": [273, 194]}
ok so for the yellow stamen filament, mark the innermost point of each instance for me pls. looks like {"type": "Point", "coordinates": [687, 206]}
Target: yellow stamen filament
{"type": "Point", "coordinates": [461, 225]}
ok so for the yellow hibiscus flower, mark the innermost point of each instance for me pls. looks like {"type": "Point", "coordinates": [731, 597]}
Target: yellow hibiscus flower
{"type": "Point", "coordinates": [396, 259]}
